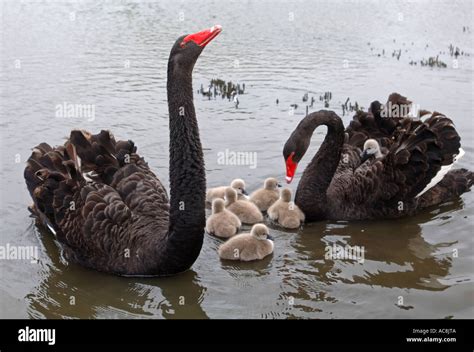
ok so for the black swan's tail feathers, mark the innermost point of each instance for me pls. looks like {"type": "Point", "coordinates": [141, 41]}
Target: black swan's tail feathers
{"type": "Point", "coordinates": [46, 169]}
{"type": "Point", "coordinates": [94, 154]}
{"type": "Point", "coordinates": [459, 181]}
{"type": "Point", "coordinates": [424, 154]}
{"type": "Point", "coordinates": [99, 156]}
{"type": "Point", "coordinates": [53, 175]}
{"type": "Point", "coordinates": [449, 143]}
{"type": "Point", "coordinates": [102, 159]}
{"type": "Point", "coordinates": [446, 135]}
{"type": "Point", "coordinates": [58, 177]}
{"type": "Point", "coordinates": [455, 183]}
{"type": "Point", "coordinates": [124, 151]}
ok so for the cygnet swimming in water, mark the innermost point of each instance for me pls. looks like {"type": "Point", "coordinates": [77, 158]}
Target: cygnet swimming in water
{"type": "Point", "coordinates": [248, 246]}
{"type": "Point", "coordinates": [219, 192]}
{"type": "Point", "coordinates": [222, 223]}
{"type": "Point", "coordinates": [266, 196]}
{"type": "Point", "coordinates": [286, 212]}
{"type": "Point", "coordinates": [246, 211]}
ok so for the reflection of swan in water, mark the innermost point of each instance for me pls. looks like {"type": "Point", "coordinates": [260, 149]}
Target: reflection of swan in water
{"type": "Point", "coordinates": [395, 255]}
{"type": "Point", "coordinates": [98, 295]}
{"type": "Point", "coordinates": [397, 258]}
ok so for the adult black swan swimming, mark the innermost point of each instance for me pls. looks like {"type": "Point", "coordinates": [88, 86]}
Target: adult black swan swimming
{"type": "Point", "coordinates": [413, 175]}
{"type": "Point", "coordinates": [108, 209]}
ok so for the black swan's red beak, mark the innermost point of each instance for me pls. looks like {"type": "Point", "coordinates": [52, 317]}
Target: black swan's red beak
{"type": "Point", "coordinates": [290, 168]}
{"type": "Point", "coordinates": [204, 37]}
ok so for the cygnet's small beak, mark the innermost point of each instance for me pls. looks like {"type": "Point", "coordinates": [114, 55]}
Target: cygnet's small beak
{"type": "Point", "coordinates": [270, 238]}
{"type": "Point", "coordinates": [244, 192]}
{"type": "Point", "coordinates": [364, 156]}
{"type": "Point", "coordinates": [279, 184]}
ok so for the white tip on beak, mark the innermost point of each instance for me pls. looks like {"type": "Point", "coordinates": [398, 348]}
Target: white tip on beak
{"type": "Point", "coordinates": [213, 28]}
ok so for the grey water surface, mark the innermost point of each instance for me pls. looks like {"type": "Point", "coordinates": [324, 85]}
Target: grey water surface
{"type": "Point", "coordinates": [112, 55]}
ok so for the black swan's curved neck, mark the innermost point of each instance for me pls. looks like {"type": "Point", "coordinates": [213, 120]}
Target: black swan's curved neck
{"type": "Point", "coordinates": [311, 192]}
{"type": "Point", "coordinates": [186, 172]}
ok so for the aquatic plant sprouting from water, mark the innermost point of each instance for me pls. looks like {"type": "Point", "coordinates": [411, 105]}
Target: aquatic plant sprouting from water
{"type": "Point", "coordinates": [431, 62]}
{"type": "Point", "coordinates": [218, 87]}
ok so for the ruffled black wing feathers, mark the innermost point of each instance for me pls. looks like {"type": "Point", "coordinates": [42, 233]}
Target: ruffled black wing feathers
{"type": "Point", "coordinates": [98, 196]}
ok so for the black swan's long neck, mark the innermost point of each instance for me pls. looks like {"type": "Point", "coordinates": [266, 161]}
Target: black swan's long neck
{"type": "Point", "coordinates": [187, 173]}
{"type": "Point", "coordinates": [311, 193]}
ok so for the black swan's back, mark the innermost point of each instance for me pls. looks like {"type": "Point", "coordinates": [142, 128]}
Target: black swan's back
{"type": "Point", "coordinates": [414, 174]}
{"type": "Point", "coordinates": [101, 201]}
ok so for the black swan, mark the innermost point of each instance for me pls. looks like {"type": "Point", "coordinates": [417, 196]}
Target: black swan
{"type": "Point", "coordinates": [336, 185]}
{"type": "Point", "coordinates": [104, 204]}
